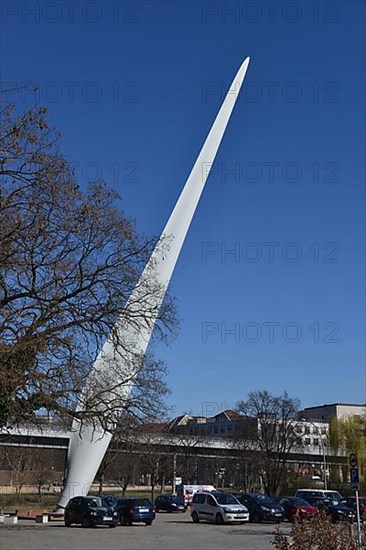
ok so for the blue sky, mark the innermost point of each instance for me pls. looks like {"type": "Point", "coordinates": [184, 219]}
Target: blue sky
{"type": "Point", "coordinates": [134, 88]}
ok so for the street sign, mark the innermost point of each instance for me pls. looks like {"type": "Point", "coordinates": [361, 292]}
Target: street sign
{"type": "Point", "coordinates": [353, 460]}
{"type": "Point", "coordinates": [355, 480]}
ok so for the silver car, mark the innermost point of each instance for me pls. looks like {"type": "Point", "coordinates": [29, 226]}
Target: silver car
{"type": "Point", "coordinates": [218, 508]}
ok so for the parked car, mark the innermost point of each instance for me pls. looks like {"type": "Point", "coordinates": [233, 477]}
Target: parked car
{"type": "Point", "coordinates": [296, 508]}
{"type": "Point", "coordinates": [350, 502]}
{"type": "Point", "coordinates": [133, 510]}
{"type": "Point", "coordinates": [169, 503]}
{"type": "Point", "coordinates": [333, 495]}
{"type": "Point", "coordinates": [318, 494]}
{"type": "Point", "coordinates": [218, 508]}
{"type": "Point", "coordinates": [261, 507]}
{"type": "Point", "coordinates": [336, 510]}
{"type": "Point", "coordinates": [89, 511]}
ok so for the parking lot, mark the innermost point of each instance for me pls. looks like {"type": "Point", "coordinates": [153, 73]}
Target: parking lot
{"type": "Point", "coordinates": [169, 531]}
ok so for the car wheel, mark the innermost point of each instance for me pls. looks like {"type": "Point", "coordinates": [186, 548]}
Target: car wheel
{"type": "Point", "coordinates": [219, 519]}
{"type": "Point", "coordinates": [67, 523]}
{"type": "Point", "coordinates": [148, 523]}
{"type": "Point", "coordinates": [195, 517]}
{"type": "Point", "coordinates": [122, 520]}
{"type": "Point", "coordinates": [85, 521]}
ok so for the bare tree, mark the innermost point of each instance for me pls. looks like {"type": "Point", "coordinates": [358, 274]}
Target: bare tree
{"type": "Point", "coordinates": [187, 458]}
{"type": "Point", "coordinates": [43, 475]}
{"type": "Point", "coordinates": [69, 260]}
{"type": "Point", "coordinates": [21, 461]}
{"type": "Point", "coordinates": [151, 447]}
{"type": "Point", "coordinates": [277, 418]}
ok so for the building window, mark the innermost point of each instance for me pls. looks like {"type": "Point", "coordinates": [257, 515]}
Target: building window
{"type": "Point", "coordinates": [230, 427]}
{"type": "Point", "coordinates": [307, 440]}
{"type": "Point", "coordinates": [324, 430]}
{"type": "Point", "coordinates": [307, 430]}
{"type": "Point", "coordinates": [316, 441]}
{"type": "Point", "coordinates": [216, 429]}
{"type": "Point", "coordinates": [316, 430]}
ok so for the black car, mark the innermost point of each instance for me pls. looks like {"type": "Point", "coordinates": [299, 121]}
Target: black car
{"type": "Point", "coordinates": [133, 509]}
{"type": "Point", "coordinates": [169, 503]}
{"type": "Point", "coordinates": [261, 507]}
{"type": "Point", "coordinates": [90, 511]}
{"type": "Point", "coordinates": [336, 510]}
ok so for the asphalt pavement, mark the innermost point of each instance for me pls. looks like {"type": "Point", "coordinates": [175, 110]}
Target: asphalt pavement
{"type": "Point", "coordinates": [168, 532]}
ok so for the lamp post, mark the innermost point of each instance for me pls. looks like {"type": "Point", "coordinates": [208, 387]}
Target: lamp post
{"type": "Point", "coordinates": [324, 464]}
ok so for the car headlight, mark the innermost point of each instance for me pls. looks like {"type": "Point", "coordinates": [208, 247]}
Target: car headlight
{"type": "Point", "coordinates": [115, 513]}
{"type": "Point", "coordinates": [265, 509]}
{"type": "Point", "coordinates": [93, 513]}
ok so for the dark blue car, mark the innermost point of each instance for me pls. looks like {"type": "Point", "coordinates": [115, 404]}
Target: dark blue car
{"type": "Point", "coordinates": [261, 507]}
{"type": "Point", "coordinates": [133, 510]}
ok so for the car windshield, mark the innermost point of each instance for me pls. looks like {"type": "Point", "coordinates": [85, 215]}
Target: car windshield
{"type": "Point", "coordinates": [299, 502]}
{"type": "Point", "coordinates": [263, 499]}
{"type": "Point", "coordinates": [139, 502]}
{"type": "Point", "coordinates": [312, 494]}
{"type": "Point", "coordinates": [333, 494]}
{"type": "Point", "coordinates": [109, 500]}
{"type": "Point", "coordinates": [175, 499]}
{"type": "Point", "coordinates": [224, 498]}
{"type": "Point", "coordinates": [94, 502]}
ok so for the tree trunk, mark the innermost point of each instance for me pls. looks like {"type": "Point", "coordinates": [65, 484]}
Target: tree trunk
{"type": "Point", "coordinates": [101, 483]}
{"type": "Point", "coordinates": [152, 493]}
{"type": "Point", "coordinates": [125, 485]}
{"type": "Point", "coordinates": [162, 484]}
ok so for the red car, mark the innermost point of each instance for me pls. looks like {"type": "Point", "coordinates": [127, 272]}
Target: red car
{"type": "Point", "coordinates": [296, 507]}
{"type": "Point", "coordinates": [351, 503]}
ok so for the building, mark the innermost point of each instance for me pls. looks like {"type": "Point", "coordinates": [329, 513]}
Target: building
{"type": "Point", "coordinates": [223, 424]}
{"type": "Point", "coordinates": [323, 413]}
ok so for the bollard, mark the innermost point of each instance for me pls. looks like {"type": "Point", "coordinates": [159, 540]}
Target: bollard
{"type": "Point", "coordinates": [42, 518]}
{"type": "Point", "coordinates": [11, 520]}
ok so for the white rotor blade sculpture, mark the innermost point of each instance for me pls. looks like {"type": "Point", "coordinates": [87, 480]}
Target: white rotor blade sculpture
{"type": "Point", "coordinates": [88, 444]}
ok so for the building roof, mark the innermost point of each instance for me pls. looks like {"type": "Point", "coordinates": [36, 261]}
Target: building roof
{"type": "Point", "coordinates": [336, 405]}
{"type": "Point", "coordinates": [231, 415]}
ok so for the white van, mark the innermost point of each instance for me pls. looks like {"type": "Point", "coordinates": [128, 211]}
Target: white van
{"type": "Point", "coordinates": [218, 508]}
{"type": "Point", "coordinates": [186, 492]}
